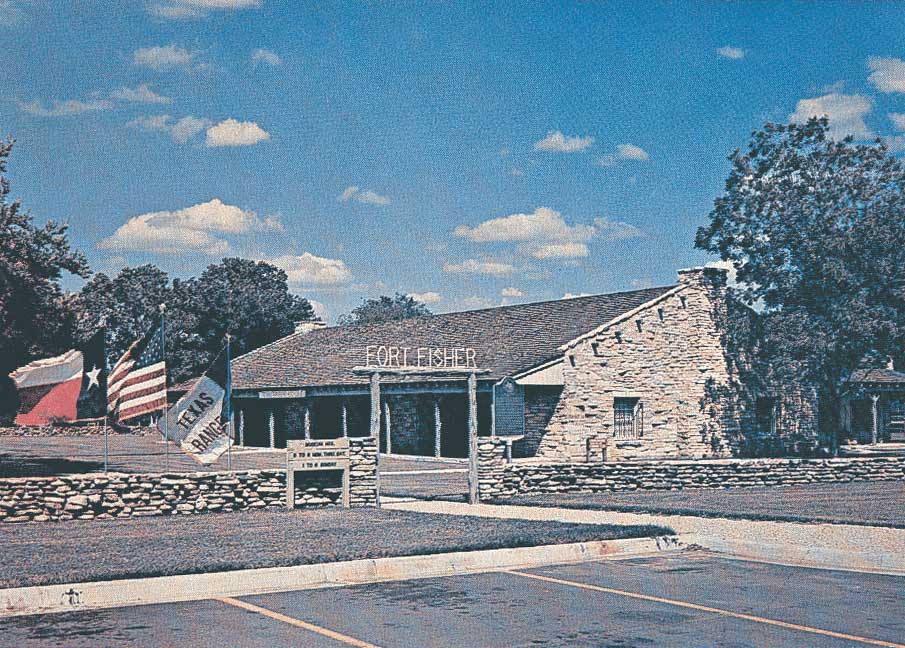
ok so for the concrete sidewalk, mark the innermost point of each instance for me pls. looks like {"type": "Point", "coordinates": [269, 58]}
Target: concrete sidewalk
{"type": "Point", "coordinates": [833, 546]}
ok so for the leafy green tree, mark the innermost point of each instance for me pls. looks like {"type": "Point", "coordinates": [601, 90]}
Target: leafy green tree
{"type": "Point", "coordinates": [385, 309]}
{"type": "Point", "coordinates": [815, 229]}
{"type": "Point", "coordinates": [250, 300]}
{"type": "Point", "coordinates": [35, 315]}
{"type": "Point", "coordinates": [129, 304]}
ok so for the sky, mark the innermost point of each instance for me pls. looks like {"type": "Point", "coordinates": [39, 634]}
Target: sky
{"type": "Point", "coordinates": [468, 153]}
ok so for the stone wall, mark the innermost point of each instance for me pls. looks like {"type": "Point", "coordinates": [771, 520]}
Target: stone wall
{"type": "Point", "coordinates": [499, 480]}
{"type": "Point", "coordinates": [540, 406]}
{"type": "Point", "coordinates": [676, 357]}
{"type": "Point", "coordinates": [117, 495]}
{"type": "Point", "coordinates": [92, 429]}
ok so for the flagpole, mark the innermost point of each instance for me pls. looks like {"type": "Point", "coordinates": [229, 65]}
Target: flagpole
{"type": "Point", "coordinates": [107, 374]}
{"type": "Point", "coordinates": [166, 431]}
{"type": "Point", "coordinates": [229, 409]}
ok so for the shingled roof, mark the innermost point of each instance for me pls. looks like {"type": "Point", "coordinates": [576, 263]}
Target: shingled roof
{"type": "Point", "coordinates": [507, 340]}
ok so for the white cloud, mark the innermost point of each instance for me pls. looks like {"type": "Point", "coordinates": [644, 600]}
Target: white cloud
{"type": "Point", "coordinates": [642, 282]}
{"type": "Point", "coordinates": [631, 152]}
{"type": "Point", "coordinates": [575, 295]}
{"type": "Point", "coordinates": [895, 143]}
{"type": "Point", "coordinates": [556, 141]}
{"type": "Point", "coordinates": [319, 309]}
{"type": "Point", "coordinates": [898, 119]}
{"type": "Point", "coordinates": [163, 57]}
{"type": "Point", "coordinates": [11, 12]}
{"type": "Point", "coordinates": [845, 113]}
{"type": "Point", "coordinates": [262, 55]}
{"type": "Point", "coordinates": [475, 302]}
{"type": "Point", "coordinates": [353, 192]}
{"type": "Point", "coordinates": [231, 132]}
{"type": "Point", "coordinates": [310, 270]}
{"type": "Point", "coordinates": [347, 193]}
{"type": "Point", "coordinates": [192, 229]}
{"type": "Point", "coordinates": [473, 266]}
{"type": "Point", "coordinates": [65, 108]}
{"type": "Point", "coordinates": [560, 251]}
{"type": "Point", "coordinates": [511, 292]}
{"type": "Point", "coordinates": [729, 52]}
{"type": "Point", "coordinates": [543, 225]}
{"type": "Point", "coordinates": [887, 74]}
{"type": "Point", "coordinates": [427, 297]}
{"type": "Point", "coordinates": [140, 94]}
{"type": "Point", "coordinates": [176, 9]}
{"type": "Point", "coordinates": [516, 172]}
{"type": "Point", "coordinates": [616, 230]}
{"type": "Point", "coordinates": [181, 130]}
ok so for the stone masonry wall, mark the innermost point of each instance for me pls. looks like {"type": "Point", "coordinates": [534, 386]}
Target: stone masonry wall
{"type": "Point", "coordinates": [92, 429]}
{"type": "Point", "coordinates": [672, 356]}
{"type": "Point", "coordinates": [499, 480]}
{"type": "Point", "coordinates": [540, 406]}
{"type": "Point", "coordinates": [117, 495]}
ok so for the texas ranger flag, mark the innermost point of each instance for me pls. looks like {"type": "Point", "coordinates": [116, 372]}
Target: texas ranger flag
{"type": "Point", "coordinates": [67, 387]}
{"type": "Point", "coordinates": [198, 421]}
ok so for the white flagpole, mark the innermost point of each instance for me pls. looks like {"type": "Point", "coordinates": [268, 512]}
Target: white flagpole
{"type": "Point", "coordinates": [166, 431]}
{"type": "Point", "coordinates": [107, 372]}
{"type": "Point", "coordinates": [229, 409]}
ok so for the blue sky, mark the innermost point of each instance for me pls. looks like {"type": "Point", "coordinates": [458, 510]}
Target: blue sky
{"type": "Point", "coordinates": [471, 153]}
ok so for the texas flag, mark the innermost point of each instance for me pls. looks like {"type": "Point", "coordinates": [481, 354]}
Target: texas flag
{"type": "Point", "coordinates": [63, 388]}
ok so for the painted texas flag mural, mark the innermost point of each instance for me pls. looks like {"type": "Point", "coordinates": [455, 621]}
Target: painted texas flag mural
{"type": "Point", "coordinates": [63, 388]}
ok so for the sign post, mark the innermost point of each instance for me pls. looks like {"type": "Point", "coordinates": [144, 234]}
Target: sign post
{"type": "Point", "coordinates": [316, 455]}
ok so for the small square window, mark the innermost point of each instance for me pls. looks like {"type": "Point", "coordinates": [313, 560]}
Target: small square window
{"type": "Point", "coordinates": [628, 418]}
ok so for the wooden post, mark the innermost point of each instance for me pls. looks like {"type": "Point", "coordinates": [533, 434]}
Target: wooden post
{"type": "Point", "coordinates": [307, 422]}
{"type": "Point", "coordinates": [472, 439]}
{"type": "Point", "coordinates": [375, 406]}
{"type": "Point", "coordinates": [375, 425]}
{"type": "Point", "coordinates": [242, 427]}
{"type": "Point", "coordinates": [386, 417]}
{"type": "Point", "coordinates": [874, 430]}
{"type": "Point", "coordinates": [438, 426]}
{"type": "Point", "coordinates": [345, 422]}
{"type": "Point", "coordinates": [271, 427]}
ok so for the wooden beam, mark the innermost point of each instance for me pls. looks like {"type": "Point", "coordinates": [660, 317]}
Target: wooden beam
{"type": "Point", "coordinates": [875, 423]}
{"type": "Point", "coordinates": [345, 421]}
{"type": "Point", "coordinates": [271, 428]}
{"type": "Point", "coordinates": [375, 406]}
{"type": "Point", "coordinates": [472, 439]}
{"type": "Point", "coordinates": [388, 426]}
{"type": "Point", "coordinates": [307, 421]}
{"type": "Point", "coordinates": [438, 427]}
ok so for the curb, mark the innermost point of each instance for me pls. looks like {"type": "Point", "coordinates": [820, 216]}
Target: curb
{"type": "Point", "coordinates": [73, 597]}
{"type": "Point", "coordinates": [803, 556]}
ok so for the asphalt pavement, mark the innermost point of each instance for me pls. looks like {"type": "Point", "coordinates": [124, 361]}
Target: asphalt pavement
{"type": "Point", "coordinates": [688, 599]}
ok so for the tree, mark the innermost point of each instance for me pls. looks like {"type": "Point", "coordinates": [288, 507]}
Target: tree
{"type": "Point", "coordinates": [815, 229]}
{"type": "Point", "coordinates": [250, 300]}
{"type": "Point", "coordinates": [129, 304]}
{"type": "Point", "coordinates": [385, 309]}
{"type": "Point", "coordinates": [35, 316]}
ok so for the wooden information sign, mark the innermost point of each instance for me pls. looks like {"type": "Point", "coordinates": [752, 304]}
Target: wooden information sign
{"type": "Point", "coordinates": [314, 455]}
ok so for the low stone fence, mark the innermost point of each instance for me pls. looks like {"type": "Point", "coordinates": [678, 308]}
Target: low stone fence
{"type": "Point", "coordinates": [93, 429]}
{"type": "Point", "coordinates": [118, 495]}
{"type": "Point", "coordinates": [498, 479]}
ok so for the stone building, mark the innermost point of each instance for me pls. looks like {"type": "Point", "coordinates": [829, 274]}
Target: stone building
{"type": "Point", "coordinates": [650, 373]}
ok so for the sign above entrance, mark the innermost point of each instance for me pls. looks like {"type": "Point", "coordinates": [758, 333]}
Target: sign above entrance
{"type": "Point", "coordinates": [405, 357]}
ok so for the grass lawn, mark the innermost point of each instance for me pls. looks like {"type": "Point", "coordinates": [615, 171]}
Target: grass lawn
{"type": "Point", "coordinates": [867, 503]}
{"type": "Point", "coordinates": [78, 551]}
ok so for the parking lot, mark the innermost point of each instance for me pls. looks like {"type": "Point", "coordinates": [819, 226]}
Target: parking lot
{"type": "Point", "coordinates": [684, 599]}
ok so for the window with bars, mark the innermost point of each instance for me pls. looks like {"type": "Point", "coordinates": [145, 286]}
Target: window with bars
{"type": "Point", "coordinates": [628, 421]}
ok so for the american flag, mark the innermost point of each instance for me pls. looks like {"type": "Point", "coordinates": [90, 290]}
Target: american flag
{"type": "Point", "coordinates": [138, 382]}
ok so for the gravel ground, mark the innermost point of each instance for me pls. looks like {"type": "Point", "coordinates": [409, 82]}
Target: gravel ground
{"type": "Point", "coordinates": [62, 552]}
{"type": "Point", "coordinates": [866, 503]}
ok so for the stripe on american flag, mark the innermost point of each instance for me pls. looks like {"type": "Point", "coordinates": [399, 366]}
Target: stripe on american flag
{"type": "Point", "coordinates": [138, 382]}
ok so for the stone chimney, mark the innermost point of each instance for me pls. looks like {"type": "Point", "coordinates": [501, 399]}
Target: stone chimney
{"type": "Point", "coordinates": [307, 326]}
{"type": "Point", "coordinates": [709, 277]}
